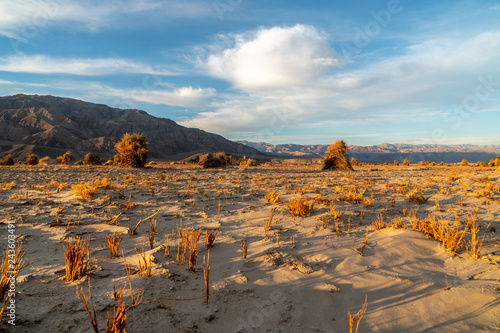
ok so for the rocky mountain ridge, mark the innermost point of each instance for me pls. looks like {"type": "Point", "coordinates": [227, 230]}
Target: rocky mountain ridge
{"type": "Point", "coordinates": [49, 126]}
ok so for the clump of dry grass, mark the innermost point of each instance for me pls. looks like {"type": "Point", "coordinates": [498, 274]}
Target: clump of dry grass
{"type": "Point", "coordinates": [476, 244]}
{"type": "Point", "coordinates": [11, 265]}
{"type": "Point", "coordinates": [113, 242]}
{"type": "Point", "coordinates": [75, 263]}
{"type": "Point", "coordinates": [379, 223]}
{"type": "Point", "coordinates": [191, 239]}
{"type": "Point", "coordinates": [300, 207]}
{"type": "Point", "coordinates": [397, 223]}
{"type": "Point", "coordinates": [84, 191]}
{"type": "Point", "coordinates": [218, 160]}
{"type": "Point", "coordinates": [451, 236]}
{"type": "Point", "coordinates": [272, 197]}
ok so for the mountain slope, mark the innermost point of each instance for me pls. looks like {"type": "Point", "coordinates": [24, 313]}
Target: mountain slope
{"type": "Point", "coordinates": [60, 124]}
{"type": "Point", "coordinates": [388, 152]}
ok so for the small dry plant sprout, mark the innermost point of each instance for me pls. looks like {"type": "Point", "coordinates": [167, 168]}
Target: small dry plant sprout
{"type": "Point", "coordinates": [476, 243]}
{"type": "Point", "coordinates": [206, 274]}
{"type": "Point", "coordinates": [191, 240]}
{"type": "Point", "coordinates": [145, 263]}
{"type": "Point", "coordinates": [113, 242]}
{"type": "Point", "coordinates": [134, 231]}
{"type": "Point", "coordinates": [210, 238]}
{"type": "Point", "coordinates": [117, 325]}
{"type": "Point", "coordinates": [74, 255]}
{"type": "Point", "coordinates": [357, 317]}
{"type": "Point", "coordinates": [244, 246]}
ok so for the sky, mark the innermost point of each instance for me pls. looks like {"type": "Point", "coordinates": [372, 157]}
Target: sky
{"type": "Point", "coordinates": [364, 71]}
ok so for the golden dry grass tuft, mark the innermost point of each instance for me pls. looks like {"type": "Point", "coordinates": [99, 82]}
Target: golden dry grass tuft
{"type": "Point", "coordinates": [74, 255]}
{"type": "Point", "coordinates": [113, 242]}
{"type": "Point", "coordinates": [379, 223]}
{"type": "Point", "coordinates": [84, 191]}
{"type": "Point", "coordinates": [12, 263]}
{"type": "Point", "coordinates": [273, 197]}
{"type": "Point", "coordinates": [300, 207]}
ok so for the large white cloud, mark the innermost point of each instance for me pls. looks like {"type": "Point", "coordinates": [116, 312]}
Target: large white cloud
{"type": "Point", "coordinates": [276, 57]}
{"type": "Point", "coordinates": [423, 81]}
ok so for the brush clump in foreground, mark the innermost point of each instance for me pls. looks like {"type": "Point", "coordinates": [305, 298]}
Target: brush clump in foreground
{"type": "Point", "coordinates": [288, 246]}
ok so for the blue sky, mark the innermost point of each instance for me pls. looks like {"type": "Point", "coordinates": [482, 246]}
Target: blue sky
{"type": "Point", "coordinates": [368, 72]}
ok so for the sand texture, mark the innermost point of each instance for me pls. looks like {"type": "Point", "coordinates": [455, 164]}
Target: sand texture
{"type": "Point", "coordinates": [301, 274]}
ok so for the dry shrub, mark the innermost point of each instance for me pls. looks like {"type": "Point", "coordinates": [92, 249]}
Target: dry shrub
{"type": "Point", "coordinates": [74, 255]}
{"type": "Point", "coordinates": [85, 191]}
{"type": "Point", "coordinates": [91, 159]}
{"type": "Point", "coordinates": [213, 161]}
{"type": "Point", "coordinates": [300, 207]}
{"type": "Point", "coordinates": [132, 151]}
{"type": "Point", "coordinates": [416, 197]}
{"type": "Point", "coordinates": [336, 157]}
{"type": "Point", "coordinates": [66, 158]}
{"type": "Point", "coordinates": [249, 162]}
{"type": "Point", "coordinates": [32, 160]}
{"type": "Point", "coordinates": [8, 160]}
{"type": "Point", "coordinates": [406, 162]}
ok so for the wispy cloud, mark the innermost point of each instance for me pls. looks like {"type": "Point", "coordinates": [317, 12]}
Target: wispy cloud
{"type": "Point", "coordinates": [42, 64]}
{"type": "Point", "coordinates": [21, 19]}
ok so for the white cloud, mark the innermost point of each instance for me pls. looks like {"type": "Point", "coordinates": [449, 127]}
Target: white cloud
{"type": "Point", "coordinates": [24, 19]}
{"type": "Point", "coordinates": [424, 82]}
{"type": "Point", "coordinates": [41, 64]}
{"type": "Point", "coordinates": [277, 57]}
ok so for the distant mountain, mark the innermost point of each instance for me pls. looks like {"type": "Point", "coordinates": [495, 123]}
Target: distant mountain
{"type": "Point", "coordinates": [388, 152]}
{"type": "Point", "coordinates": [49, 126]}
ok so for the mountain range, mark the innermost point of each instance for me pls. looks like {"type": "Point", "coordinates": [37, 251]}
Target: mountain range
{"type": "Point", "coordinates": [387, 152]}
{"type": "Point", "coordinates": [49, 126]}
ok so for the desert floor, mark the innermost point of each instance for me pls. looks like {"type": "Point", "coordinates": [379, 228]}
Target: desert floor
{"type": "Point", "coordinates": [301, 274]}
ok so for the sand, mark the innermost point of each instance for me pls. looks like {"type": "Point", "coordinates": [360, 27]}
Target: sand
{"type": "Point", "coordinates": [300, 276]}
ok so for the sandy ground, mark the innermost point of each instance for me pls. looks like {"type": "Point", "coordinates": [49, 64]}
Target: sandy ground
{"type": "Point", "coordinates": [300, 276]}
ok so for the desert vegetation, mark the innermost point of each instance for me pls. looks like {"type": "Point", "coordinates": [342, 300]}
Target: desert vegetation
{"type": "Point", "coordinates": [247, 247]}
{"type": "Point", "coordinates": [132, 151]}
